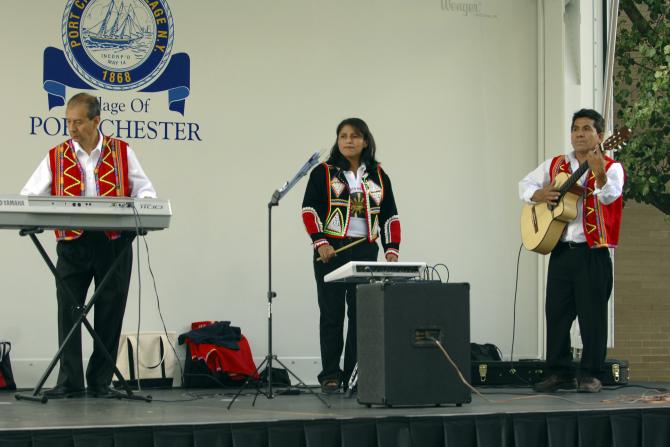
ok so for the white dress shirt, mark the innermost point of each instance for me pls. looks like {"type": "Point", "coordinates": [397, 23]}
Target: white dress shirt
{"type": "Point", "coordinates": [358, 226]}
{"type": "Point", "coordinates": [540, 176]}
{"type": "Point", "coordinates": [39, 183]}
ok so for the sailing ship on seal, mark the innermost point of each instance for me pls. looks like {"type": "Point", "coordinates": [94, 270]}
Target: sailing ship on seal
{"type": "Point", "coordinates": [119, 28]}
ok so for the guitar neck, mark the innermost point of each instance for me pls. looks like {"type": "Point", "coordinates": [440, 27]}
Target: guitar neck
{"type": "Point", "coordinates": [565, 187]}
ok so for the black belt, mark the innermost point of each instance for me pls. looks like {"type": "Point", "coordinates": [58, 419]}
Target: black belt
{"type": "Point", "coordinates": [573, 245]}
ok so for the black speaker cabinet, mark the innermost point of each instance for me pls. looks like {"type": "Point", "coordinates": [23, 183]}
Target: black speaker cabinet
{"type": "Point", "coordinates": [397, 362]}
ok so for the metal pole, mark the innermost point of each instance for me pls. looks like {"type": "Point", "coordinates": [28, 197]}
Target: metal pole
{"type": "Point", "coordinates": [271, 295]}
{"type": "Point", "coordinates": [608, 101]}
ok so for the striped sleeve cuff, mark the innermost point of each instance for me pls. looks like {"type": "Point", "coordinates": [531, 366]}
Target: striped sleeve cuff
{"type": "Point", "coordinates": [319, 242]}
{"type": "Point", "coordinates": [392, 251]}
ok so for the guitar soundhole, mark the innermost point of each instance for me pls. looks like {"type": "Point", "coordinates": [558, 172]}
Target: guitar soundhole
{"type": "Point", "coordinates": [534, 219]}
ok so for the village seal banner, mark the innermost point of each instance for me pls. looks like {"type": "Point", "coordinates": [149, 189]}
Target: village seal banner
{"type": "Point", "coordinates": [117, 45]}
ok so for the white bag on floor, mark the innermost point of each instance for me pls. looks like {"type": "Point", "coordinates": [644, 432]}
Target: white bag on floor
{"type": "Point", "coordinates": [156, 364]}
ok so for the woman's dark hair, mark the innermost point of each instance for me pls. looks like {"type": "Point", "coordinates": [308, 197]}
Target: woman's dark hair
{"type": "Point", "coordinates": [367, 156]}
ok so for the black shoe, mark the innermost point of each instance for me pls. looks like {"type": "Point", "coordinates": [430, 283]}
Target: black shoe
{"type": "Point", "coordinates": [588, 384]}
{"type": "Point", "coordinates": [63, 392]}
{"type": "Point", "coordinates": [98, 391]}
{"type": "Point", "coordinates": [554, 383]}
{"type": "Point", "coordinates": [330, 386]}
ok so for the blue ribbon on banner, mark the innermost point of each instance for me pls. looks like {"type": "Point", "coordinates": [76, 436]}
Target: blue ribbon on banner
{"type": "Point", "coordinates": [176, 79]}
{"type": "Point", "coordinates": [57, 74]}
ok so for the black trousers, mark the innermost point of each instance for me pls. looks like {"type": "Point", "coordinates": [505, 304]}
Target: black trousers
{"type": "Point", "coordinates": [80, 261]}
{"type": "Point", "coordinates": [579, 285]}
{"type": "Point", "coordinates": [332, 299]}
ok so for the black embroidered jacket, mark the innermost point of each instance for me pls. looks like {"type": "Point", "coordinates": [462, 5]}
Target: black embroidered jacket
{"type": "Point", "coordinates": [327, 207]}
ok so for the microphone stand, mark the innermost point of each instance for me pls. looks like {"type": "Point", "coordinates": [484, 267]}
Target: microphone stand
{"type": "Point", "coordinates": [277, 195]}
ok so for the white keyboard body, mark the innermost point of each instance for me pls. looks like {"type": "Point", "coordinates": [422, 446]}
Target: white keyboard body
{"type": "Point", "coordinates": [364, 271]}
{"type": "Point", "coordinates": [88, 213]}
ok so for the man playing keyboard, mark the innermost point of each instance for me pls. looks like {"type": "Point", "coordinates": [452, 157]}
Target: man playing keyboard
{"type": "Point", "coordinates": [89, 164]}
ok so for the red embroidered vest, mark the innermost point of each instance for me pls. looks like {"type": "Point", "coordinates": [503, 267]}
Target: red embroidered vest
{"type": "Point", "coordinates": [601, 222]}
{"type": "Point", "coordinates": [111, 176]}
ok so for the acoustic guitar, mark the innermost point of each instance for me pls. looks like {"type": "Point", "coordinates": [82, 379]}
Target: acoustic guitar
{"type": "Point", "coordinates": [542, 224]}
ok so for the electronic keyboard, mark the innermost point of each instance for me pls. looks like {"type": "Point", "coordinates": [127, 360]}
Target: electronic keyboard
{"type": "Point", "coordinates": [87, 213]}
{"type": "Point", "coordinates": [364, 271]}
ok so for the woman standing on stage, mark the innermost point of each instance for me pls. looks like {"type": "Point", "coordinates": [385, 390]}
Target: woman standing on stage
{"type": "Point", "coordinates": [348, 198]}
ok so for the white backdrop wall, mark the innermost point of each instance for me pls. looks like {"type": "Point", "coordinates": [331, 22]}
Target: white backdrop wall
{"type": "Point", "coordinates": [450, 92]}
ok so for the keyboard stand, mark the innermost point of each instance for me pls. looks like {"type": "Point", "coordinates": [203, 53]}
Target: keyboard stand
{"type": "Point", "coordinates": [353, 382]}
{"type": "Point", "coordinates": [35, 395]}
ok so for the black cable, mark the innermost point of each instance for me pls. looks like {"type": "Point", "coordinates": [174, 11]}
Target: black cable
{"type": "Point", "coordinates": [172, 401]}
{"type": "Point", "coordinates": [432, 271]}
{"type": "Point", "coordinates": [214, 379]}
{"type": "Point", "coordinates": [660, 389]}
{"type": "Point", "coordinates": [195, 396]}
{"type": "Point", "coordinates": [512, 369]}
{"type": "Point", "coordinates": [192, 399]}
{"type": "Point", "coordinates": [515, 393]}
{"type": "Point", "coordinates": [516, 288]}
{"type": "Point", "coordinates": [182, 374]}
{"type": "Point", "coordinates": [136, 216]}
{"type": "Point", "coordinates": [200, 396]}
{"type": "Point", "coordinates": [504, 387]}
{"type": "Point", "coordinates": [446, 268]}
{"type": "Point", "coordinates": [160, 312]}
{"type": "Point", "coordinates": [153, 278]}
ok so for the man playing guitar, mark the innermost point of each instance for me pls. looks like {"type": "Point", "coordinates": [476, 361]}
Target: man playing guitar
{"type": "Point", "coordinates": [579, 281]}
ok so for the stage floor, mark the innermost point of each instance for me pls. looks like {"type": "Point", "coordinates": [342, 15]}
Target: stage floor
{"type": "Point", "coordinates": [197, 407]}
